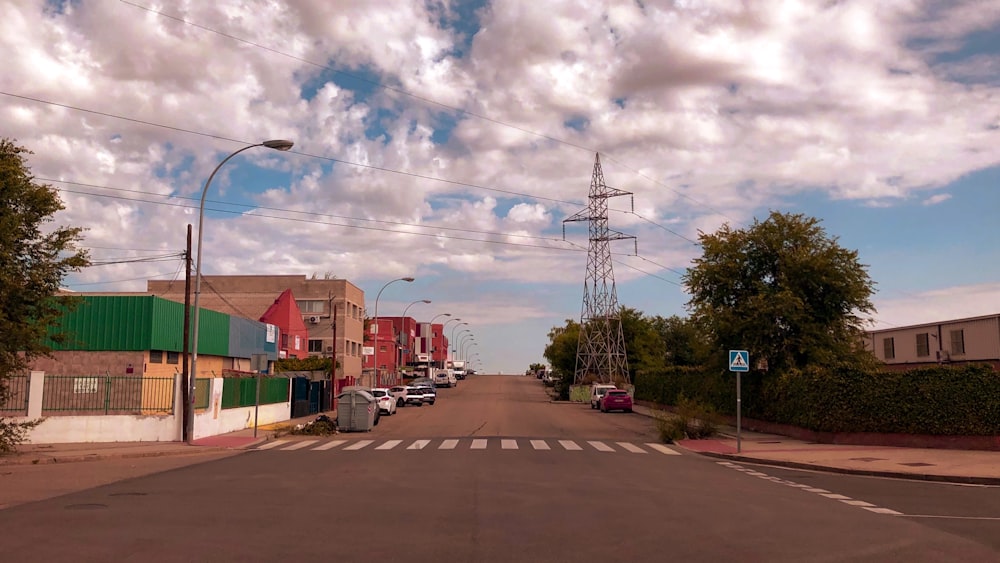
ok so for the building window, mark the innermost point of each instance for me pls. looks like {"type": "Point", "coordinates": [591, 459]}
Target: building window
{"type": "Point", "coordinates": [958, 342]}
{"type": "Point", "coordinates": [311, 306]}
{"type": "Point", "coordinates": [923, 345]}
{"type": "Point", "coordinates": [315, 345]}
{"type": "Point", "coordinates": [173, 357]}
{"type": "Point", "coordinates": [284, 341]}
{"type": "Point", "coordinates": [889, 348]}
{"type": "Point", "coordinates": [382, 349]}
{"type": "Point", "coordinates": [156, 356]}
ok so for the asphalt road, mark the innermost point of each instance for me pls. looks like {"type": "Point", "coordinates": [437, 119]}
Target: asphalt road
{"type": "Point", "coordinates": [494, 472]}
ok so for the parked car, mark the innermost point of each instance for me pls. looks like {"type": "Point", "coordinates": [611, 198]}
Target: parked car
{"type": "Point", "coordinates": [399, 392]}
{"type": "Point", "coordinates": [429, 394]}
{"type": "Point", "coordinates": [616, 399]}
{"type": "Point", "coordinates": [385, 399]}
{"type": "Point", "coordinates": [549, 379]}
{"type": "Point", "coordinates": [415, 396]}
{"type": "Point", "coordinates": [597, 391]}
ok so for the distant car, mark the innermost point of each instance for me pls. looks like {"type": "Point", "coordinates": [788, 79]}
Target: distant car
{"type": "Point", "coordinates": [597, 391]}
{"type": "Point", "coordinates": [399, 392]}
{"type": "Point", "coordinates": [429, 394]}
{"type": "Point", "coordinates": [616, 400]}
{"type": "Point", "coordinates": [386, 400]}
{"type": "Point", "coordinates": [415, 396]}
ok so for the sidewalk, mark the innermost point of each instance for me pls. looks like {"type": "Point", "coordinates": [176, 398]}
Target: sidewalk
{"type": "Point", "coordinates": [954, 466]}
{"type": "Point", "coordinates": [34, 454]}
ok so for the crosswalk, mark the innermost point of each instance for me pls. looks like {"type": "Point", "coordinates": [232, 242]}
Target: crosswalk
{"type": "Point", "coordinates": [452, 444]}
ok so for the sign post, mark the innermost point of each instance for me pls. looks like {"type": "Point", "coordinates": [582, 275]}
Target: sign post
{"type": "Point", "coordinates": [739, 362]}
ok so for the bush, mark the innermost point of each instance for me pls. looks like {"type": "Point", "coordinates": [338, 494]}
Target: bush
{"type": "Point", "coordinates": [13, 434]}
{"type": "Point", "coordinates": [692, 420]}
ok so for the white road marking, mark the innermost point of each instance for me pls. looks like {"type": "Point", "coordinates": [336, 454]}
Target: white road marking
{"type": "Point", "coordinates": [478, 444]}
{"type": "Point", "coordinates": [273, 444]}
{"type": "Point", "coordinates": [389, 444]}
{"type": "Point", "coordinates": [448, 445]}
{"type": "Point", "coordinates": [882, 510]}
{"type": "Point", "coordinates": [601, 446]}
{"type": "Point", "coordinates": [299, 445]}
{"type": "Point", "coordinates": [815, 490]}
{"type": "Point", "coordinates": [329, 445]}
{"type": "Point", "coordinates": [508, 444]}
{"type": "Point", "coordinates": [418, 445]}
{"type": "Point", "coordinates": [835, 496]}
{"type": "Point", "coordinates": [857, 503]}
{"type": "Point", "coordinates": [358, 445]}
{"type": "Point", "coordinates": [570, 445]}
{"type": "Point", "coordinates": [632, 448]}
{"type": "Point", "coordinates": [995, 518]}
{"type": "Point", "coordinates": [539, 445]}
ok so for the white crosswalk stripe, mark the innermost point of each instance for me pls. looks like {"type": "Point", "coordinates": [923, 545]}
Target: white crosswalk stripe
{"type": "Point", "coordinates": [300, 445]}
{"type": "Point", "coordinates": [359, 445]}
{"type": "Point", "coordinates": [452, 444]}
{"type": "Point", "coordinates": [273, 444]}
{"type": "Point", "coordinates": [418, 445]}
{"type": "Point", "coordinates": [663, 449]}
{"type": "Point", "coordinates": [631, 447]}
{"type": "Point", "coordinates": [329, 445]}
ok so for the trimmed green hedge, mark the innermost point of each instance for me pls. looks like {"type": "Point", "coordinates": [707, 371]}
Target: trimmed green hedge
{"type": "Point", "coordinates": [956, 401]}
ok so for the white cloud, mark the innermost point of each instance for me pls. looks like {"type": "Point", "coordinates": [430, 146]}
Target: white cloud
{"type": "Point", "coordinates": [936, 199]}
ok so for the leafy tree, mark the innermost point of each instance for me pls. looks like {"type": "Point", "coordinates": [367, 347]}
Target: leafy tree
{"type": "Point", "coordinates": [561, 354]}
{"type": "Point", "coordinates": [642, 344]}
{"type": "Point", "coordinates": [782, 289]}
{"type": "Point", "coordinates": [33, 263]}
{"type": "Point", "coordinates": [681, 341]}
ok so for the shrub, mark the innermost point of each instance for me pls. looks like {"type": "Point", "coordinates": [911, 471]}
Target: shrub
{"type": "Point", "coordinates": [692, 420]}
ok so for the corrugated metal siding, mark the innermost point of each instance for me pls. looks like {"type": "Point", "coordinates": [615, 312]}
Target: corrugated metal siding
{"type": "Point", "coordinates": [110, 323]}
{"type": "Point", "coordinates": [167, 330]}
{"type": "Point", "coordinates": [982, 339]}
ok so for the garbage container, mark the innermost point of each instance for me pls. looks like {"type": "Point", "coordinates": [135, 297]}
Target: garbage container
{"type": "Point", "coordinates": [356, 411]}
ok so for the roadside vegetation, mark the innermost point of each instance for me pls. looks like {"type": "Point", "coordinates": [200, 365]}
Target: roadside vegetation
{"type": "Point", "coordinates": [791, 295]}
{"type": "Point", "coordinates": [34, 259]}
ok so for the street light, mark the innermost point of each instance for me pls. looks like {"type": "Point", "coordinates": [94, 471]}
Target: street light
{"type": "Point", "coordinates": [441, 315]}
{"type": "Point", "coordinates": [414, 303]}
{"type": "Point", "coordinates": [451, 342]}
{"type": "Point", "coordinates": [457, 345]}
{"type": "Point", "coordinates": [278, 145]}
{"type": "Point", "coordinates": [465, 351]}
{"type": "Point", "coordinates": [461, 344]}
{"type": "Point", "coordinates": [375, 339]}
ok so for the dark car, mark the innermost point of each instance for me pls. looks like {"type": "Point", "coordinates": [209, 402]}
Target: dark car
{"type": "Point", "coordinates": [616, 400]}
{"type": "Point", "coordinates": [430, 394]}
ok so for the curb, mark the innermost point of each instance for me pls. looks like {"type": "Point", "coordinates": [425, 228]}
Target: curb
{"type": "Point", "coordinates": [958, 479]}
{"type": "Point", "coordinates": [45, 460]}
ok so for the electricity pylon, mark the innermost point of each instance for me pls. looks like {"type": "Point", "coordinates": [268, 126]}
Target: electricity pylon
{"type": "Point", "coordinates": [600, 351]}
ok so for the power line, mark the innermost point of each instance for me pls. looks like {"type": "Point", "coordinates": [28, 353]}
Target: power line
{"type": "Point", "coordinates": [312, 213]}
{"type": "Point", "coordinates": [119, 281]}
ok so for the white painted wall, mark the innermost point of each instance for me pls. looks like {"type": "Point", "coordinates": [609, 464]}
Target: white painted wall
{"type": "Point", "coordinates": [105, 428]}
{"type": "Point", "coordinates": [212, 422]}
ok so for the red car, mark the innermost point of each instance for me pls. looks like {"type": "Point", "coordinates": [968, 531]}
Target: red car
{"type": "Point", "coordinates": [616, 400]}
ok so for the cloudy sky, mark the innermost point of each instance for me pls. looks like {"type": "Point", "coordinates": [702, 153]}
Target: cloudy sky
{"type": "Point", "coordinates": [449, 139]}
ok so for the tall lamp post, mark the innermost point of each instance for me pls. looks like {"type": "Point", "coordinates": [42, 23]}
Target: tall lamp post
{"type": "Point", "coordinates": [465, 352]}
{"type": "Point", "coordinates": [462, 335]}
{"type": "Point", "coordinates": [276, 144]}
{"type": "Point", "coordinates": [375, 339]}
{"type": "Point", "coordinates": [399, 357]}
{"type": "Point", "coordinates": [443, 328]}
{"type": "Point", "coordinates": [461, 345]}
{"type": "Point", "coordinates": [451, 341]}
{"type": "Point", "coordinates": [436, 317]}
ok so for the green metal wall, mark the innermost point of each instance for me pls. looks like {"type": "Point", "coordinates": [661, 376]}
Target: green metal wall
{"type": "Point", "coordinates": [139, 322]}
{"type": "Point", "coordinates": [108, 323]}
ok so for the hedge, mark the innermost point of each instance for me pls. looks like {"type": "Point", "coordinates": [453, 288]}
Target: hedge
{"type": "Point", "coordinates": [941, 400]}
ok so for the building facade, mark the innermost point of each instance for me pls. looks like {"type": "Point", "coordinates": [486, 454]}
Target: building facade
{"type": "Point", "coordinates": [331, 309]}
{"type": "Point", "coordinates": [970, 340]}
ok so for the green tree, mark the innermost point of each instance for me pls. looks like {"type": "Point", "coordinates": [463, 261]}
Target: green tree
{"type": "Point", "coordinates": [681, 342]}
{"type": "Point", "coordinates": [561, 354]}
{"type": "Point", "coordinates": [782, 289]}
{"type": "Point", "coordinates": [643, 347]}
{"type": "Point", "coordinates": [33, 262]}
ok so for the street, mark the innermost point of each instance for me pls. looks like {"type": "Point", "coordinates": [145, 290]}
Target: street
{"type": "Point", "coordinates": [495, 472]}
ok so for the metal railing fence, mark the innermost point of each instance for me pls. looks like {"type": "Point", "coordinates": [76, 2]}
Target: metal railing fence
{"type": "Point", "coordinates": [67, 395]}
{"type": "Point", "coordinates": [17, 395]}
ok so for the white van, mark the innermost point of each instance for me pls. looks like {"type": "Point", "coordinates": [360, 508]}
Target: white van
{"type": "Point", "coordinates": [597, 391]}
{"type": "Point", "coordinates": [445, 378]}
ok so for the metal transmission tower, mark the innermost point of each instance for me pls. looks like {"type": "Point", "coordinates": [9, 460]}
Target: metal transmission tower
{"type": "Point", "coordinates": [600, 352]}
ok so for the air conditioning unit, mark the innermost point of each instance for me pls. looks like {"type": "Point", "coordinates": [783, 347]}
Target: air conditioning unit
{"type": "Point", "coordinates": [329, 348]}
{"type": "Point", "coordinates": [314, 320]}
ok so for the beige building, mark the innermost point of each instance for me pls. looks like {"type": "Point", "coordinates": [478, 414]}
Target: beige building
{"type": "Point", "coordinates": [325, 304]}
{"type": "Point", "coordinates": [975, 339]}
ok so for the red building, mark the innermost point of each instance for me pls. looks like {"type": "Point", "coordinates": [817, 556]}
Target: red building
{"type": "Point", "coordinates": [285, 314]}
{"type": "Point", "coordinates": [386, 348]}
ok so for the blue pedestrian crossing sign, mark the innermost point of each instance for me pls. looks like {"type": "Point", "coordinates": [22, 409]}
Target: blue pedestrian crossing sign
{"type": "Point", "coordinates": [739, 360]}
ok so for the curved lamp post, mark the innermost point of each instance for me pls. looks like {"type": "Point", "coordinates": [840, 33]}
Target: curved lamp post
{"type": "Point", "coordinates": [276, 144]}
{"type": "Point", "coordinates": [451, 341]}
{"type": "Point", "coordinates": [457, 345]}
{"type": "Point", "coordinates": [443, 328]}
{"type": "Point", "coordinates": [468, 347]}
{"type": "Point", "coordinates": [399, 356]}
{"type": "Point", "coordinates": [375, 339]}
{"type": "Point", "coordinates": [462, 342]}
{"type": "Point", "coordinates": [414, 303]}
{"type": "Point", "coordinates": [441, 315]}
